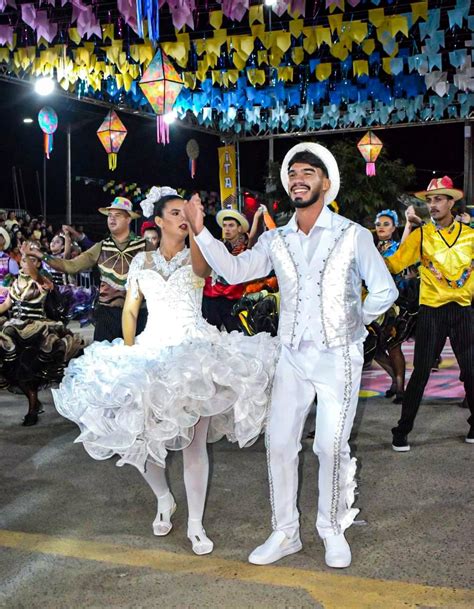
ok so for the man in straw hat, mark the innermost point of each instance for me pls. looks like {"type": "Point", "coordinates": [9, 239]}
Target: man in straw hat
{"type": "Point", "coordinates": [112, 256]}
{"type": "Point", "coordinates": [320, 260]}
{"type": "Point", "coordinates": [445, 249]}
{"type": "Point", "coordinates": [219, 297]}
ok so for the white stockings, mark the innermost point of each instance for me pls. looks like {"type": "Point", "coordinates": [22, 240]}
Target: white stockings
{"type": "Point", "coordinates": [196, 475]}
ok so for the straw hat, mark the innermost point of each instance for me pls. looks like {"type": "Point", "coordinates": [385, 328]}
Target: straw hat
{"type": "Point", "coordinates": [122, 204]}
{"type": "Point", "coordinates": [6, 235]}
{"type": "Point", "coordinates": [440, 186]}
{"type": "Point", "coordinates": [235, 215]}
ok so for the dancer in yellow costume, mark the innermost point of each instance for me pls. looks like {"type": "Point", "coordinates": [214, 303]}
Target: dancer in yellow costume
{"type": "Point", "coordinates": [445, 249]}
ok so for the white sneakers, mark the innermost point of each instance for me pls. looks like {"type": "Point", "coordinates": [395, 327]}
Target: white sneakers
{"type": "Point", "coordinates": [279, 544]}
{"type": "Point", "coordinates": [338, 552]}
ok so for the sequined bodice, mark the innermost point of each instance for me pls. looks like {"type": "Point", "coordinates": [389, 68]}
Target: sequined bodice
{"type": "Point", "coordinates": [173, 295]}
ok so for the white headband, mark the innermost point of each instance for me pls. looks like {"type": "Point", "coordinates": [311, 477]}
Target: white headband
{"type": "Point", "coordinates": [155, 194]}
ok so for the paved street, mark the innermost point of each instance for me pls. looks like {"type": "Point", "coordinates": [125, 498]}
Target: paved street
{"type": "Point", "coordinates": [77, 533]}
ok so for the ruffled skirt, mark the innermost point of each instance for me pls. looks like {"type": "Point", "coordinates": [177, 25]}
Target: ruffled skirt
{"type": "Point", "coordinates": [35, 353]}
{"type": "Point", "coordinates": [139, 402]}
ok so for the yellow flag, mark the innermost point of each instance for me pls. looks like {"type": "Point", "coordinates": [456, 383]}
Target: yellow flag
{"type": "Point", "coordinates": [233, 76]}
{"type": "Point", "coordinates": [398, 23]}
{"type": "Point", "coordinates": [376, 16]}
{"type": "Point", "coordinates": [215, 19]}
{"type": "Point", "coordinates": [339, 50]}
{"type": "Point", "coordinates": [282, 41]}
{"type": "Point", "coordinates": [358, 31]}
{"type": "Point", "coordinates": [309, 44]}
{"type": "Point", "coordinates": [256, 77]}
{"type": "Point", "coordinates": [216, 76]}
{"type": "Point", "coordinates": [256, 14]}
{"type": "Point", "coordinates": [323, 35]}
{"type": "Point", "coordinates": [285, 73]}
{"type": "Point", "coordinates": [368, 46]}
{"type": "Point", "coordinates": [258, 31]}
{"type": "Point", "coordinates": [74, 35]}
{"type": "Point", "coordinates": [239, 61]}
{"type": "Point", "coordinates": [296, 27]}
{"type": "Point", "coordinates": [419, 10]}
{"type": "Point", "coordinates": [297, 54]}
{"type": "Point", "coordinates": [386, 65]}
{"type": "Point", "coordinates": [335, 23]}
{"type": "Point", "coordinates": [227, 176]}
{"type": "Point", "coordinates": [189, 80]}
{"type": "Point", "coordinates": [323, 71]}
{"type": "Point", "coordinates": [108, 32]}
{"type": "Point", "coordinates": [360, 67]}
{"type": "Point", "coordinates": [262, 57]}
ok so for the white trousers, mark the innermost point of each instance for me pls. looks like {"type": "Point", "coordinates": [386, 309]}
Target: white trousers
{"type": "Point", "coordinates": [334, 375]}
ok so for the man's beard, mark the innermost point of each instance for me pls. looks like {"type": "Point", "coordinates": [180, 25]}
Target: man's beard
{"type": "Point", "coordinates": [299, 203]}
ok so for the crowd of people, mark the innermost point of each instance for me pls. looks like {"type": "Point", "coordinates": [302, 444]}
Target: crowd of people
{"type": "Point", "coordinates": [339, 298]}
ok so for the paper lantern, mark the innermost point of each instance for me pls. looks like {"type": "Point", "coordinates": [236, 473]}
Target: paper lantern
{"type": "Point", "coordinates": [48, 121]}
{"type": "Point", "coordinates": [111, 134]}
{"type": "Point", "coordinates": [369, 147]}
{"type": "Point", "coordinates": [161, 84]}
{"type": "Point", "coordinates": [192, 150]}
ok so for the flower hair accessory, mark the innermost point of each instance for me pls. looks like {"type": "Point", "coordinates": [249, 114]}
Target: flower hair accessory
{"type": "Point", "coordinates": [390, 213]}
{"type": "Point", "coordinates": [155, 194]}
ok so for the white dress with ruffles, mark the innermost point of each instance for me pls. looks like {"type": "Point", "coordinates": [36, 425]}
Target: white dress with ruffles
{"type": "Point", "coordinates": [139, 402]}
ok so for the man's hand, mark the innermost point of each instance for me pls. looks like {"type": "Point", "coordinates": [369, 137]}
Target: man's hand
{"type": "Point", "coordinates": [411, 216]}
{"type": "Point", "coordinates": [194, 214]}
{"type": "Point", "coordinates": [29, 249]}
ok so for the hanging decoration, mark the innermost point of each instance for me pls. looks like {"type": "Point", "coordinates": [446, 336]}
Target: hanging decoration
{"type": "Point", "coordinates": [148, 10]}
{"type": "Point", "coordinates": [292, 67]}
{"type": "Point", "coordinates": [369, 147]}
{"type": "Point", "coordinates": [111, 134]}
{"type": "Point", "coordinates": [161, 84]}
{"type": "Point", "coordinates": [192, 150]}
{"type": "Point", "coordinates": [48, 121]}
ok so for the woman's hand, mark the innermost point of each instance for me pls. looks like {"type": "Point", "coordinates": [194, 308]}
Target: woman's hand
{"type": "Point", "coordinates": [194, 213]}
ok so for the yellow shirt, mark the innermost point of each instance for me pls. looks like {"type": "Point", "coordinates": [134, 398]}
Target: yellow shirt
{"type": "Point", "coordinates": [446, 263]}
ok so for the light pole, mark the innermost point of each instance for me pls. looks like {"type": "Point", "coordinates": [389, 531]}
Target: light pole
{"type": "Point", "coordinates": [68, 176]}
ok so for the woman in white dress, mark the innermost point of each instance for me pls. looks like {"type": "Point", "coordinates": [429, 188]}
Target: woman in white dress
{"type": "Point", "coordinates": [177, 385]}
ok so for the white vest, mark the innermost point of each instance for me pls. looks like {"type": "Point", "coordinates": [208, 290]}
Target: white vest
{"type": "Point", "coordinates": [339, 287]}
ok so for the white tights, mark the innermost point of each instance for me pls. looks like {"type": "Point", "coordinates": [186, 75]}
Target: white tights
{"type": "Point", "coordinates": [195, 472]}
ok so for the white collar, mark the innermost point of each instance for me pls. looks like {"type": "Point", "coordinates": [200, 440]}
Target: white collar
{"type": "Point", "coordinates": [324, 220]}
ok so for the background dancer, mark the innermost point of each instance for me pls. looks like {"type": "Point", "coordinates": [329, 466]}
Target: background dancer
{"type": "Point", "coordinates": [34, 348]}
{"type": "Point", "coordinates": [445, 248]}
{"type": "Point", "coordinates": [112, 256]}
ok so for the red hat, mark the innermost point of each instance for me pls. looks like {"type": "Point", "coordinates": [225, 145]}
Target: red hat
{"type": "Point", "coordinates": [440, 186]}
{"type": "Point", "coordinates": [147, 224]}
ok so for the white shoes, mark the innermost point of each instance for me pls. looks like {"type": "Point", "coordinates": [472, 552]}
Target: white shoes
{"type": "Point", "coordinates": [277, 546]}
{"type": "Point", "coordinates": [338, 551]}
{"type": "Point", "coordinates": [166, 508]}
{"type": "Point", "coordinates": [198, 538]}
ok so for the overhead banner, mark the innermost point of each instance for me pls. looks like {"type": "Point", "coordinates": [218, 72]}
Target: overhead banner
{"type": "Point", "coordinates": [228, 176]}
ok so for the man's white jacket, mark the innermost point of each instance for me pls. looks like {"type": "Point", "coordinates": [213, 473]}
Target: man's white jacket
{"type": "Point", "coordinates": [320, 277]}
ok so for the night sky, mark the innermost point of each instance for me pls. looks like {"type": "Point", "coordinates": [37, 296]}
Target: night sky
{"type": "Point", "coordinates": [438, 148]}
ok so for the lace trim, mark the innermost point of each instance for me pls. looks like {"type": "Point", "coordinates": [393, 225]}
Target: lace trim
{"type": "Point", "coordinates": [159, 264]}
{"type": "Point", "coordinates": [168, 267]}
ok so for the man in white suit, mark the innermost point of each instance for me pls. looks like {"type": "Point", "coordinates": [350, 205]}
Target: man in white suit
{"type": "Point", "coordinates": [320, 260]}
